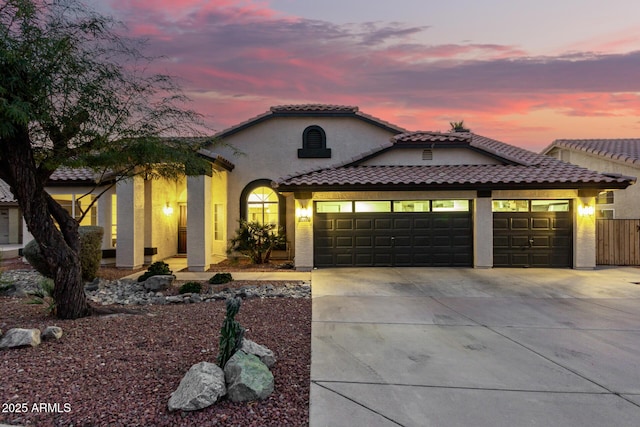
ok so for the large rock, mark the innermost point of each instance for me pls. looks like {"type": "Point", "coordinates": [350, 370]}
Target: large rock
{"type": "Point", "coordinates": [247, 378]}
{"type": "Point", "coordinates": [52, 333]}
{"type": "Point", "coordinates": [202, 386]}
{"type": "Point", "coordinates": [159, 283]}
{"type": "Point", "coordinates": [265, 355]}
{"type": "Point", "coordinates": [18, 337]}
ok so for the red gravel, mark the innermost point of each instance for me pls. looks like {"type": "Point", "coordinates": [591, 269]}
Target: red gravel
{"type": "Point", "coordinates": [121, 370]}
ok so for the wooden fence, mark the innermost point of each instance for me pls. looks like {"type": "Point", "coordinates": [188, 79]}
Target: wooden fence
{"type": "Point", "coordinates": [618, 241]}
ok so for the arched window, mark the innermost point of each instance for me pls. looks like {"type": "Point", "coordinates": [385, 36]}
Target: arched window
{"type": "Point", "coordinates": [260, 202]}
{"type": "Point", "coordinates": [314, 144]}
{"type": "Point", "coordinates": [262, 206]}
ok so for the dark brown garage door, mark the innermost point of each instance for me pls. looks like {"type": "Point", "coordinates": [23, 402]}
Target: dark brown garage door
{"type": "Point", "coordinates": [532, 239]}
{"type": "Point", "coordinates": [393, 239]}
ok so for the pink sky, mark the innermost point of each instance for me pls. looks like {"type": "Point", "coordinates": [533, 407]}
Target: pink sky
{"type": "Point", "coordinates": [525, 79]}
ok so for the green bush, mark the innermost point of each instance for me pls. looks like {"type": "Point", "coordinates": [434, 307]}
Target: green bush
{"type": "Point", "coordinates": [90, 253]}
{"type": "Point", "coordinates": [44, 295]}
{"type": "Point", "coordinates": [220, 278]}
{"type": "Point", "coordinates": [191, 288]}
{"type": "Point", "coordinates": [256, 241]}
{"type": "Point", "coordinates": [158, 268]}
{"type": "Point", "coordinates": [231, 333]}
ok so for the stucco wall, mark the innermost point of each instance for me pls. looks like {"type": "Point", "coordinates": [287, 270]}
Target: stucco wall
{"type": "Point", "coordinates": [626, 202]}
{"type": "Point", "coordinates": [270, 151]}
{"type": "Point", "coordinates": [440, 156]}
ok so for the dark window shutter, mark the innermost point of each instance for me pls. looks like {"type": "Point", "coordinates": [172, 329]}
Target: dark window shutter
{"type": "Point", "coordinates": [314, 139]}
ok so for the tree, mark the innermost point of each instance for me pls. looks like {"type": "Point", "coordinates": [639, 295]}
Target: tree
{"type": "Point", "coordinates": [458, 127]}
{"type": "Point", "coordinates": [74, 93]}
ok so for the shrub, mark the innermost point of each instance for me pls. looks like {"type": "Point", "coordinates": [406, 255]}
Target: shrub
{"type": "Point", "coordinates": [158, 268]}
{"type": "Point", "coordinates": [191, 288]}
{"type": "Point", "coordinates": [256, 241]}
{"type": "Point", "coordinates": [90, 253]}
{"type": "Point", "coordinates": [231, 333]}
{"type": "Point", "coordinates": [220, 278]}
{"type": "Point", "coordinates": [44, 295]}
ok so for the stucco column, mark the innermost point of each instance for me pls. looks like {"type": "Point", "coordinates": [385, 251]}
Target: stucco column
{"type": "Point", "coordinates": [199, 223]}
{"type": "Point", "coordinates": [130, 221]}
{"type": "Point", "coordinates": [104, 218]}
{"type": "Point", "coordinates": [304, 235]}
{"type": "Point", "coordinates": [584, 236]}
{"type": "Point", "coordinates": [482, 233]}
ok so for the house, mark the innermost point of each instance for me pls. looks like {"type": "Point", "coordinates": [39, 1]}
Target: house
{"type": "Point", "coordinates": [10, 218]}
{"type": "Point", "coordinates": [349, 189]}
{"type": "Point", "coordinates": [611, 157]}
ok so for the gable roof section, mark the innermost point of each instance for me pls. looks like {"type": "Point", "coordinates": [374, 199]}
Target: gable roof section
{"type": "Point", "coordinates": [311, 110]}
{"type": "Point", "coordinates": [620, 150]}
{"type": "Point", "coordinates": [520, 169]}
{"type": "Point", "coordinates": [6, 196]}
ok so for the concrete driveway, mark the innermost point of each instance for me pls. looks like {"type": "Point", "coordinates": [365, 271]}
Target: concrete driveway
{"type": "Point", "coordinates": [463, 347]}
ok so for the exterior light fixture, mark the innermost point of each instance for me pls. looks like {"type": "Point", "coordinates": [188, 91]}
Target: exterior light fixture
{"type": "Point", "coordinates": [167, 209]}
{"type": "Point", "coordinates": [303, 214]}
{"type": "Point", "coordinates": [585, 210]}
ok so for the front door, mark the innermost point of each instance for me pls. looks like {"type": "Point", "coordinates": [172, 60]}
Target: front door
{"type": "Point", "coordinates": [182, 229]}
{"type": "Point", "coordinates": [4, 226]}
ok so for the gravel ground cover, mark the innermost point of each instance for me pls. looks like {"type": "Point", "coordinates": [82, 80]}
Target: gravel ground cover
{"type": "Point", "coordinates": [120, 370]}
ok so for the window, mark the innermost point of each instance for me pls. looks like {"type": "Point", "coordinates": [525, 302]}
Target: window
{"type": "Point", "coordinates": [333, 207]}
{"type": "Point", "coordinates": [75, 205]}
{"type": "Point", "coordinates": [373, 206]}
{"type": "Point", "coordinates": [262, 206]}
{"type": "Point", "coordinates": [604, 198]}
{"type": "Point", "coordinates": [218, 221]}
{"type": "Point", "coordinates": [530, 205]}
{"type": "Point", "coordinates": [605, 214]}
{"type": "Point", "coordinates": [411, 206]}
{"type": "Point", "coordinates": [314, 144]}
{"type": "Point", "coordinates": [114, 220]}
{"type": "Point", "coordinates": [450, 205]}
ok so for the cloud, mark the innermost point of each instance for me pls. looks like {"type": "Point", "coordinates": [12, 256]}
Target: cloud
{"type": "Point", "coordinates": [241, 57]}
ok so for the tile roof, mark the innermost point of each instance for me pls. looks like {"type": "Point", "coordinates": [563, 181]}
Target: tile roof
{"type": "Point", "coordinates": [5, 193]}
{"type": "Point", "coordinates": [623, 150]}
{"type": "Point", "coordinates": [306, 110]}
{"type": "Point", "coordinates": [523, 169]}
{"type": "Point", "coordinates": [65, 174]}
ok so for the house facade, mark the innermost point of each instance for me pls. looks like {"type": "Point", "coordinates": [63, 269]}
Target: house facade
{"type": "Point", "coordinates": [608, 156]}
{"type": "Point", "coordinates": [349, 189]}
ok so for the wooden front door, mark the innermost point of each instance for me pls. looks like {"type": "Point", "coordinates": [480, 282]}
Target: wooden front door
{"type": "Point", "coordinates": [182, 229]}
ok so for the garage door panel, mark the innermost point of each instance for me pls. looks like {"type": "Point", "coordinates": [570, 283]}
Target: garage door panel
{"type": "Point", "coordinates": [364, 224]}
{"type": "Point", "coordinates": [541, 223]}
{"type": "Point", "coordinates": [533, 239]}
{"type": "Point", "coordinates": [344, 242]}
{"type": "Point", "coordinates": [519, 224]}
{"type": "Point", "coordinates": [344, 224]}
{"type": "Point", "coordinates": [364, 242]}
{"type": "Point", "coordinates": [383, 224]}
{"type": "Point", "coordinates": [395, 238]}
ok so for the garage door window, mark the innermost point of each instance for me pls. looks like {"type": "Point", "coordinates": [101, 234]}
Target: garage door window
{"type": "Point", "coordinates": [531, 206]}
{"type": "Point", "coordinates": [411, 206]}
{"type": "Point", "coordinates": [367, 206]}
{"type": "Point", "coordinates": [334, 207]}
{"type": "Point", "coordinates": [450, 205]}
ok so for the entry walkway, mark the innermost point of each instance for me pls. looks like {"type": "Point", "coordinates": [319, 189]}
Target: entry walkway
{"type": "Point", "coordinates": [465, 347]}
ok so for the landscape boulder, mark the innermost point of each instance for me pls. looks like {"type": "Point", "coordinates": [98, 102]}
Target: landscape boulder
{"type": "Point", "coordinates": [52, 333]}
{"type": "Point", "coordinates": [159, 283]}
{"type": "Point", "coordinates": [18, 337]}
{"type": "Point", "coordinates": [202, 386]}
{"type": "Point", "coordinates": [265, 355]}
{"type": "Point", "coordinates": [247, 378]}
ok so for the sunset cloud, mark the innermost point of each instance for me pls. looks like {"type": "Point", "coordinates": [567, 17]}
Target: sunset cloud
{"type": "Point", "coordinates": [238, 58]}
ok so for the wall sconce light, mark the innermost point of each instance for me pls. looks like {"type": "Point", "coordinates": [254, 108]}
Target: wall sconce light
{"type": "Point", "coordinates": [303, 214]}
{"type": "Point", "coordinates": [167, 209]}
{"type": "Point", "coordinates": [586, 210]}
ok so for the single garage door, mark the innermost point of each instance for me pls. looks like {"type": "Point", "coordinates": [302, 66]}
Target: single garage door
{"type": "Point", "coordinates": [393, 233]}
{"type": "Point", "coordinates": [532, 233]}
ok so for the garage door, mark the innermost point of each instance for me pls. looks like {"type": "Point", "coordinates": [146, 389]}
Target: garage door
{"type": "Point", "coordinates": [394, 238]}
{"type": "Point", "coordinates": [538, 233]}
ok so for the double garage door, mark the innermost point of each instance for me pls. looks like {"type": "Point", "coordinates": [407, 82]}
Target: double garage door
{"type": "Point", "coordinates": [432, 239]}
{"type": "Point", "coordinates": [359, 239]}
